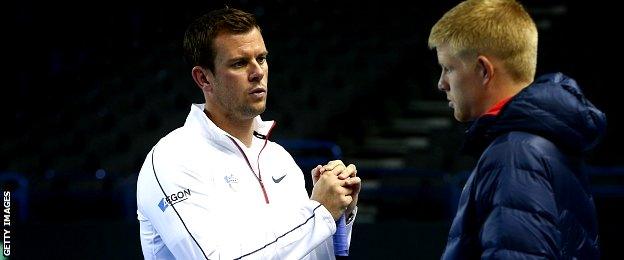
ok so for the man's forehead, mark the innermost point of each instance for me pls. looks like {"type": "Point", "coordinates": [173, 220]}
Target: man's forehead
{"type": "Point", "coordinates": [228, 44]}
{"type": "Point", "coordinates": [443, 54]}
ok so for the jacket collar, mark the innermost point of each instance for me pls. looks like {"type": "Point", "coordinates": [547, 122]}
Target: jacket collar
{"type": "Point", "coordinates": [553, 107]}
{"type": "Point", "coordinates": [198, 121]}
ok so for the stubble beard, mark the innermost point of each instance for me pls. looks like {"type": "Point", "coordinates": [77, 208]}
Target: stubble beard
{"type": "Point", "coordinates": [249, 111]}
{"type": "Point", "coordinates": [238, 110]}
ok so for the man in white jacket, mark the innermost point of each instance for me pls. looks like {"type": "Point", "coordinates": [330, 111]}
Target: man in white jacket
{"type": "Point", "coordinates": [217, 188]}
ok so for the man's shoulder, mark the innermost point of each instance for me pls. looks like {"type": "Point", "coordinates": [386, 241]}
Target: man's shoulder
{"type": "Point", "coordinates": [521, 141]}
{"type": "Point", "coordinates": [278, 150]}
{"type": "Point", "coordinates": [508, 161]}
{"type": "Point", "coordinates": [276, 147]}
{"type": "Point", "coordinates": [179, 134]}
{"type": "Point", "coordinates": [278, 154]}
{"type": "Point", "coordinates": [184, 144]}
{"type": "Point", "coordinates": [519, 150]}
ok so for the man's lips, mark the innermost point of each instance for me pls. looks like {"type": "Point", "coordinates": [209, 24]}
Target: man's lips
{"type": "Point", "coordinates": [258, 92]}
{"type": "Point", "coordinates": [450, 103]}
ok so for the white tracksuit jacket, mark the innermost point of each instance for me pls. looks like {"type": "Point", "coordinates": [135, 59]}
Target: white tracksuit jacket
{"type": "Point", "coordinates": [199, 197]}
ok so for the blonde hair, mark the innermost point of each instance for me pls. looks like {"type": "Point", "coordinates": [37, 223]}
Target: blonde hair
{"type": "Point", "coordinates": [501, 28]}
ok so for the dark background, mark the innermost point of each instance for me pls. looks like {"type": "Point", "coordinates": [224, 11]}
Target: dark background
{"type": "Point", "coordinates": [90, 87]}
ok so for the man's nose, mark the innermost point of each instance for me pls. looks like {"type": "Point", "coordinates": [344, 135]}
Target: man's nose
{"type": "Point", "coordinates": [442, 86]}
{"type": "Point", "coordinates": [257, 72]}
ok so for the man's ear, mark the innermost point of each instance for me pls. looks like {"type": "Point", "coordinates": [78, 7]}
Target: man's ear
{"type": "Point", "coordinates": [203, 78]}
{"type": "Point", "coordinates": [486, 68]}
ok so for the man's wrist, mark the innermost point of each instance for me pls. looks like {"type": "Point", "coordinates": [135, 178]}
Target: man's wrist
{"type": "Point", "coordinates": [341, 238]}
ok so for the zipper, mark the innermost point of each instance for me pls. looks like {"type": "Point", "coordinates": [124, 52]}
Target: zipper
{"type": "Point", "coordinates": [258, 176]}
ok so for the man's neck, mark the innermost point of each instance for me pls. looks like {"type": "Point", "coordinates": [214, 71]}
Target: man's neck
{"type": "Point", "coordinates": [241, 129]}
{"type": "Point", "coordinates": [503, 89]}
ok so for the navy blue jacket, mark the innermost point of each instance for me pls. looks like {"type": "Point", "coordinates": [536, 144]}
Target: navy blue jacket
{"type": "Point", "coordinates": [528, 196]}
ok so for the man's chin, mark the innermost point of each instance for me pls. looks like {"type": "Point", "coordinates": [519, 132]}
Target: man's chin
{"type": "Point", "coordinates": [254, 111]}
{"type": "Point", "coordinates": [460, 117]}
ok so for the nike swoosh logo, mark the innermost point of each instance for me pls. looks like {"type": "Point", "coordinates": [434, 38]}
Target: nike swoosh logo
{"type": "Point", "coordinates": [278, 179]}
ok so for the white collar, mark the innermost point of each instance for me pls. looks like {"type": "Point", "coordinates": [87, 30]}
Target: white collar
{"type": "Point", "coordinates": [197, 119]}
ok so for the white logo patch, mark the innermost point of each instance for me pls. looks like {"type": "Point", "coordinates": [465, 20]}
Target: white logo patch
{"type": "Point", "coordinates": [232, 181]}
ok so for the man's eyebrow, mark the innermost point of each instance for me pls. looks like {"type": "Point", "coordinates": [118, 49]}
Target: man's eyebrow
{"type": "Point", "coordinates": [243, 57]}
{"type": "Point", "coordinates": [236, 58]}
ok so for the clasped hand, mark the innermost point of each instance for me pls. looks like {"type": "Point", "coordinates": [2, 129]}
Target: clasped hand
{"type": "Point", "coordinates": [336, 187]}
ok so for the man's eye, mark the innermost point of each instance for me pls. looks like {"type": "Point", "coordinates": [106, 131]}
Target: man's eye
{"type": "Point", "coordinates": [261, 59]}
{"type": "Point", "coordinates": [238, 64]}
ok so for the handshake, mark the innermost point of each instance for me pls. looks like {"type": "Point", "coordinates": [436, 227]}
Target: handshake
{"type": "Point", "coordinates": [336, 187]}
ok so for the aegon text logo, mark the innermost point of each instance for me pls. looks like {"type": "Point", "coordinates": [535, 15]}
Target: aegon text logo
{"type": "Point", "coordinates": [174, 198]}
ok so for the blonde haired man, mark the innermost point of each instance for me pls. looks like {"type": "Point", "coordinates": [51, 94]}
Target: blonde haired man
{"type": "Point", "coordinates": [528, 196]}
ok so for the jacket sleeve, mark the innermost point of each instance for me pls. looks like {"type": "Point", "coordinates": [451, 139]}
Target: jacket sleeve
{"type": "Point", "coordinates": [516, 204]}
{"type": "Point", "coordinates": [326, 250]}
{"type": "Point", "coordinates": [203, 225]}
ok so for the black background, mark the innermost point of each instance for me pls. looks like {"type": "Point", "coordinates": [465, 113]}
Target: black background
{"type": "Point", "coordinates": [91, 87]}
